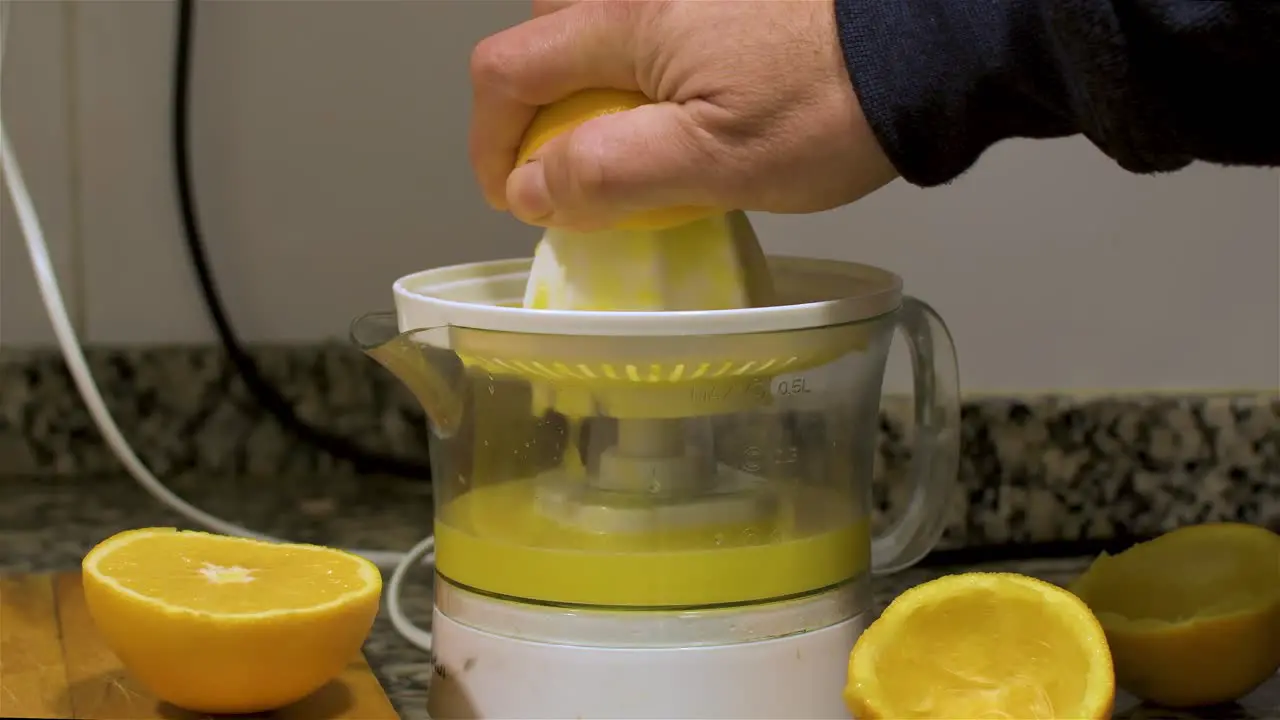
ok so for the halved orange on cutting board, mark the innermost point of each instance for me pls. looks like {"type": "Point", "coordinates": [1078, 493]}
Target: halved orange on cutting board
{"type": "Point", "coordinates": [1193, 617]}
{"type": "Point", "coordinates": [982, 645]}
{"type": "Point", "coordinates": [218, 624]}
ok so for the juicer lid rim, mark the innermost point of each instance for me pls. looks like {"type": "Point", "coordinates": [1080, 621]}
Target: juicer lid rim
{"type": "Point", "coordinates": [419, 309]}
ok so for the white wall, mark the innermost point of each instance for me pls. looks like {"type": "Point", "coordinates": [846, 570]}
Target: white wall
{"type": "Point", "coordinates": [35, 99]}
{"type": "Point", "coordinates": [330, 158]}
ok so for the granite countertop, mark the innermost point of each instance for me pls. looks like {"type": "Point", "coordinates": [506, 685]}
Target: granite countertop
{"type": "Point", "coordinates": [47, 524]}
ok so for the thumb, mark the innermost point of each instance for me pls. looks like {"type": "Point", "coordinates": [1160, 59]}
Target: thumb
{"type": "Point", "coordinates": [649, 157]}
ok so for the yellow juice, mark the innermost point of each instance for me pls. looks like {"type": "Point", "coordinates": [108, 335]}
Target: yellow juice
{"type": "Point", "coordinates": [493, 538]}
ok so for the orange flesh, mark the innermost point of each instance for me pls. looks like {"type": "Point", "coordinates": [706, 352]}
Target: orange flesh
{"type": "Point", "coordinates": [1028, 665]}
{"type": "Point", "coordinates": [1178, 578]}
{"type": "Point", "coordinates": [211, 574]}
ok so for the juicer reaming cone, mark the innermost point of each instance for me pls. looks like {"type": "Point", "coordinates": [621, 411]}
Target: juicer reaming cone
{"type": "Point", "coordinates": [655, 473]}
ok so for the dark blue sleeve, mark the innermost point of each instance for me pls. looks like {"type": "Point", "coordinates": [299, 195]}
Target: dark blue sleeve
{"type": "Point", "coordinates": [1155, 84]}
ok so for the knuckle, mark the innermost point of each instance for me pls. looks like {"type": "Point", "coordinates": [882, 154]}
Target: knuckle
{"type": "Point", "coordinates": [580, 182]}
{"type": "Point", "coordinates": [490, 63]}
{"type": "Point", "coordinates": [730, 158]}
{"type": "Point", "coordinates": [591, 180]}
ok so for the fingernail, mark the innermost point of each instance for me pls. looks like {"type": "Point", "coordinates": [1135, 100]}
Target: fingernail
{"type": "Point", "coordinates": [527, 193]}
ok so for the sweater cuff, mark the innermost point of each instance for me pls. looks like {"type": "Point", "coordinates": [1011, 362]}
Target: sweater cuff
{"type": "Point", "coordinates": [940, 81]}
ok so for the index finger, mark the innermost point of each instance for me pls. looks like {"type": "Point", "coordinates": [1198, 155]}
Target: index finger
{"type": "Point", "coordinates": [514, 72]}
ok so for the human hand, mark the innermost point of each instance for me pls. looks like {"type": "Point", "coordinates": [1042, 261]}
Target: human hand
{"type": "Point", "coordinates": [754, 111]}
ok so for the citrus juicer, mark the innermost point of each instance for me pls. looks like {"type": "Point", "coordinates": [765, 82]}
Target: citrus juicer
{"type": "Point", "coordinates": [651, 451]}
{"type": "Point", "coordinates": [661, 514]}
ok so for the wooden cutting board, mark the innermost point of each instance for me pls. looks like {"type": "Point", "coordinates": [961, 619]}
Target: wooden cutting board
{"type": "Point", "coordinates": [54, 665]}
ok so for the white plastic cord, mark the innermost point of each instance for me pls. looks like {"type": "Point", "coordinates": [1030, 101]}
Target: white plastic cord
{"type": "Point", "coordinates": [414, 634]}
{"type": "Point", "coordinates": [73, 353]}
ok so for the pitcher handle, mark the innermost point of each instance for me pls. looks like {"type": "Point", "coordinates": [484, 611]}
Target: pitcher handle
{"type": "Point", "coordinates": [935, 459]}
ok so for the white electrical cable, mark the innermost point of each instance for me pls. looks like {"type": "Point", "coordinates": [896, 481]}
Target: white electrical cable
{"type": "Point", "coordinates": [73, 353]}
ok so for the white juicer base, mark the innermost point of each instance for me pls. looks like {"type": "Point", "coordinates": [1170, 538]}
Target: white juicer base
{"type": "Point", "coordinates": [483, 676]}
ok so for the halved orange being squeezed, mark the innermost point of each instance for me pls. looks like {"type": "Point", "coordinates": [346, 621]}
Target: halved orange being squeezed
{"type": "Point", "coordinates": [568, 113]}
{"type": "Point", "coordinates": [218, 624]}
{"type": "Point", "coordinates": [982, 645]}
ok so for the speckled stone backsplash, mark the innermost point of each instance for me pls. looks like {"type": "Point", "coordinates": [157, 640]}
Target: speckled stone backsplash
{"type": "Point", "coordinates": [1033, 468]}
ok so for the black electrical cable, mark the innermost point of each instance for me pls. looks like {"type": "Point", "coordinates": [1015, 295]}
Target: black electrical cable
{"type": "Point", "coordinates": [262, 390]}
{"type": "Point", "coordinates": [1016, 552]}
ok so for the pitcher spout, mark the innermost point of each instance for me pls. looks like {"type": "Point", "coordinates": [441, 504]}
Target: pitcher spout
{"type": "Point", "coordinates": [430, 371]}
